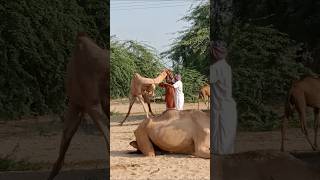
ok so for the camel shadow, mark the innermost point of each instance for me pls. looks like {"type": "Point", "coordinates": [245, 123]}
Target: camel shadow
{"type": "Point", "coordinates": [124, 125]}
{"type": "Point", "coordinates": [137, 154]}
{"type": "Point", "coordinates": [134, 117]}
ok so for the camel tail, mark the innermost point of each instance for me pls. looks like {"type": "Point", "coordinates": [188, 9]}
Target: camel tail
{"type": "Point", "coordinates": [289, 107]}
{"type": "Point", "coordinates": [199, 97]}
{"type": "Point", "coordinates": [289, 110]}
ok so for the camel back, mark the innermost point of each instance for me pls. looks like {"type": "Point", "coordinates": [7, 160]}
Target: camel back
{"type": "Point", "coordinates": [143, 80]}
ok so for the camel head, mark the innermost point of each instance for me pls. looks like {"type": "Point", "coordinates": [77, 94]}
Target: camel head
{"type": "Point", "coordinates": [169, 73]}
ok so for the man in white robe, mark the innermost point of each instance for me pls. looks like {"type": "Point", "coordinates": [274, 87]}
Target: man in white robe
{"type": "Point", "coordinates": [223, 107]}
{"type": "Point", "coordinates": [179, 96]}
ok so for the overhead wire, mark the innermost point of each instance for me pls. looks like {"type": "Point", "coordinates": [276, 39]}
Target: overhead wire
{"type": "Point", "coordinates": [141, 4]}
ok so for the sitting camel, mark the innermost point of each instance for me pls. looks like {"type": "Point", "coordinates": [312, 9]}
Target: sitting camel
{"type": "Point", "coordinates": [186, 131]}
{"type": "Point", "coordinates": [142, 88]}
{"type": "Point", "coordinates": [87, 88]}
{"type": "Point", "coordinates": [303, 93]}
{"type": "Point", "coordinates": [204, 94]}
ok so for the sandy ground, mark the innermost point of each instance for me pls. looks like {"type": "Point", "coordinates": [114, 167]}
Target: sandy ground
{"type": "Point", "coordinates": [136, 166]}
{"type": "Point", "coordinates": [37, 140]}
{"type": "Point", "coordinates": [82, 174]}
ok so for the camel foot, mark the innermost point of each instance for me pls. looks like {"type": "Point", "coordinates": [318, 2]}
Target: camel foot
{"type": "Point", "coordinates": [120, 124]}
{"type": "Point", "coordinates": [315, 148]}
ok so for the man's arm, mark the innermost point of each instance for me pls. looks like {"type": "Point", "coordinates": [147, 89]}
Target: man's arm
{"type": "Point", "coordinates": [166, 84]}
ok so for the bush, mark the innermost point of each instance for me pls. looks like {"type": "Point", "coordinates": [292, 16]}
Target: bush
{"type": "Point", "coordinates": [192, 81]}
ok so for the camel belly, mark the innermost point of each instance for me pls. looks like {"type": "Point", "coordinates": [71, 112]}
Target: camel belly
{"type": "Point", "coordinates": [173, 140]}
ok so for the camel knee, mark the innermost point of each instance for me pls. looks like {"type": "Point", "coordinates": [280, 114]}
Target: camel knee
{"type": "Point", "coordinates": [203, 152]}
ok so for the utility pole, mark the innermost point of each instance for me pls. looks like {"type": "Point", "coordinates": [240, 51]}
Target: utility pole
{"type": "Point", "coordinates": [221, 14]}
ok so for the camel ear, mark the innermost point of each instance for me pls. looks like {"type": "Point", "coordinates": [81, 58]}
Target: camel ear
{"type": "Point", "coordinates": [134, 144]}
{"type": "Point", "coordinates": [143, 141]}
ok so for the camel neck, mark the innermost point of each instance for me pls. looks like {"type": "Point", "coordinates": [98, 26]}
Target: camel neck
{"type": "Point", "coordinates": [160, 78]}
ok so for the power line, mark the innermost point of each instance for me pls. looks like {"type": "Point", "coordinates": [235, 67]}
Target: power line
{"type": "Point", "coordinates": [144, 8]}
{"type": "Point", "coordinates": [144, 5]}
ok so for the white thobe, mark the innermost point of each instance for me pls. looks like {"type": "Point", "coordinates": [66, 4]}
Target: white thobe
{"type": "Point", "coordinates": [179, 96]}
{"type": "Point", "coordinates": [224, 111]}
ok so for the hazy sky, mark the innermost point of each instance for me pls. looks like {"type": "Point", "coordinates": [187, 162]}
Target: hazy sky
{"type": "Point", "coordinates": [154, 22]}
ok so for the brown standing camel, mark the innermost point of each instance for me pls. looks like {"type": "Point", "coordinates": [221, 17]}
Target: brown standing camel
{"type": "Point", "coordinates": [204, 94]}
{"type": "Point", "coordinates": [303, 93]}
{"type": "Point", "coordinates": [141, 88]}
{"type": "Point", "coordinates": [87, 88]}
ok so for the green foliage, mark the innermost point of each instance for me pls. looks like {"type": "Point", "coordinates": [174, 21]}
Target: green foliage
{"type": "Point", "coordinates": [132, 57]}
{"type": "Point", "coordinates": [190, 48]}
{"type": "Point", "coordinates": [299, 19]}
{"type": "Point", "coordinates": [263, 61]}
{"type": "Point", "coordinates": [128, 58]}
{"type": "Point", "coordinates": [192, 81]}
{"type": "Point", "coordinates": [36, 40]}
{"type": "Point", "coordinates": [99, 11]}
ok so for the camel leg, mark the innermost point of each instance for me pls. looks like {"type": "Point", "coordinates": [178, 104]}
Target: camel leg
{"type": "Point", "coordinates": [143, 142]}
{"type": "Point", "coordinates": [201, 147]}
{"type": "Point", "coordinates": [147, 100]}
{"type": "Point", "coordinates": [132, 100]}
{"type": "Point", "coordinates": [284, 126]}
{"type": "Point", "coordinates": [98, 117]}
{"type": "Point", "coordinates": [316, 126]}
{"type": "Point", "coordinates": [105, 107]}
{"type": "Point", "coordinates": [71, 125]}
{"type": "Point", "coordinates": [149, 106]}
{"type": "Point", "coordinates": [143, 105]}
{"type": "Point", "coordinates": [301, 108]}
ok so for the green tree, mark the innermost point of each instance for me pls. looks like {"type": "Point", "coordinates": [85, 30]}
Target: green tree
{"type": "Point", "coordinates": [36, 40]}
{"type": "Point", "coordinates": [190, 48]}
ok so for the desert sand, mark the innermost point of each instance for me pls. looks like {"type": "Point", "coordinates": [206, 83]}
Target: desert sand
{"type": "Point", "coordinates": [124, 165]}
{"type": "Point", "coordinates": [37, 139]}
{"type": "Point", "coordinates": [135, 166]}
